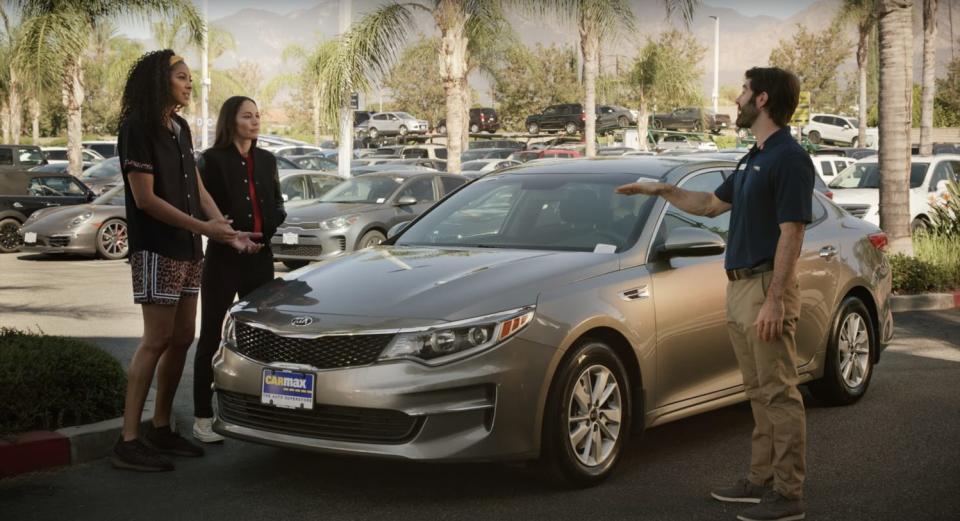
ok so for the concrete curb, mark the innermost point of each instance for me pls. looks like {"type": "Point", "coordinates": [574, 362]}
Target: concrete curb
{"type": "Point", "coordinates": [925, 302]}
{"type": "Point", "coordinates": [71, 445]}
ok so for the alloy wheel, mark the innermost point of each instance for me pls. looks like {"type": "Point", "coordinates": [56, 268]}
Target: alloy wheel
{"type": "Point", "coordinates": [594, 413]}
{"type": "Point", "coordinates": [9, 236]}
{"type": "Point", "coordinates": [854, 350]}
{"type": "Point", "coordinates": [113, 239]}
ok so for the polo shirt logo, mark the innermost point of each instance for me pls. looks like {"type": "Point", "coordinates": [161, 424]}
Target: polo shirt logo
{"type": "Point", "coordinates": [756, 168]}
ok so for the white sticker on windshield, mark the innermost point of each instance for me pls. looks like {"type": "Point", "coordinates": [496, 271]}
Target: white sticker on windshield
{"type": "Point", "coordinates": [604, 248]}
{"type": "Point", "coordinates": [381, 200]}
{"type": "Point", "coordinates": [646, 180]}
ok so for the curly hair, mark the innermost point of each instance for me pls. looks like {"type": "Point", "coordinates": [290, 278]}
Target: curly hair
{"type": "Point", "coordinates": [147, 95]}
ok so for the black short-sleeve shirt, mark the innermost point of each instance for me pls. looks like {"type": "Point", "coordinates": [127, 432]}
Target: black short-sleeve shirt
{"type": "Point", "coordinates": [772, 185]}
{"type": "Point", "coordinates": [168, 156]}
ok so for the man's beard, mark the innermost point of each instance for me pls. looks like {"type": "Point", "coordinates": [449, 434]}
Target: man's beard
{"type": "Point", "coordinates": [748, 114]}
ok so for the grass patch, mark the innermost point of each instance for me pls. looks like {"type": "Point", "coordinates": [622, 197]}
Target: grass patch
{"type": "Point", "coordinates": [934, 267]}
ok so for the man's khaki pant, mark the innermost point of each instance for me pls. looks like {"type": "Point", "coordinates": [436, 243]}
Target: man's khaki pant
{"type": "Point", "coordinates": [770, 380]}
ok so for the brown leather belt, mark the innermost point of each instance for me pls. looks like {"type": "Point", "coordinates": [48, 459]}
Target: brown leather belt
{"type": "Point", "coordinates": [746, 273]}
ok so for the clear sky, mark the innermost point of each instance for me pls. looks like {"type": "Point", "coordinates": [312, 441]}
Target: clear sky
{"type": "Point", "coordinates": [782, 9]}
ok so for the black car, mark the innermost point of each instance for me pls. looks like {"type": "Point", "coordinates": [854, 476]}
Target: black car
{"type": "Point", "coordinates": [692, 118]}
{"type": "Point", "coordinates": [22, 193]}
{"type": "Point", "coordinates": [20, 157]}
{"type": "Point", "coordinates": [481, 120]}
{"type": "Point", "coordinates": [570, 118]}
{"type": "Point", "coordinates": [497, 143]}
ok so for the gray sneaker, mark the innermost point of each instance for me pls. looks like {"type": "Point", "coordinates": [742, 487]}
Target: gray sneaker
{"type": "Point", "coordinates": [742, 492]}
{"type": "Point", "coordinates": [774, 507]}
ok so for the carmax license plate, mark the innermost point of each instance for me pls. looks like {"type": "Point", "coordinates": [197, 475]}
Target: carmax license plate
{"type": "Point", "coordinates": [287, 389]}
{"type": "Point", "coordinates": [291, 238]}
{"type": "Point", "coordinates": [30, 238]}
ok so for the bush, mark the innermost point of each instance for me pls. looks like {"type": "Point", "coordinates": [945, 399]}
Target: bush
{"type": "Point", "coordinates": [945, 208]}
{"type": "Point", "coordinates": [50, 382]}
{"type": "Point", "coordinates": [915, 275]}
{"type": "Point", "coordinates": [725, 141]}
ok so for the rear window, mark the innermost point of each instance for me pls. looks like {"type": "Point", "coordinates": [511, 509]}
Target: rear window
{"type": "Point", "coordinates": [56, 154]}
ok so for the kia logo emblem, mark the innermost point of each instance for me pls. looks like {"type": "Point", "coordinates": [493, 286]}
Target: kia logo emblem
{"type": "Point", "coordinates": [301, 321]}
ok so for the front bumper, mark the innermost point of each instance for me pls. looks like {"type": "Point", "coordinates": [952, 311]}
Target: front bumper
{"type": "Point", "coordinates": [486, 407]}
{"type": "Point", "coordinates": [311, 244]}
{"type": "Point", "coordinates": [60, 242]}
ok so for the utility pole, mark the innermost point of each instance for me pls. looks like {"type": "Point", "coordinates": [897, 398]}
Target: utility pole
{"type": "Point", "coordinates": [205, 81]}
{"type": "Point", "coordinates": [345, 155]}
{"type": "Point", "coordinates": [715, 96]}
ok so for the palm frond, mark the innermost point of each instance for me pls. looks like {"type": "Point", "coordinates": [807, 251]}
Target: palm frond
{"type": "Point", "coordinates": [47, 43]}
{"type": "Point", "coordinates": [686, 8]}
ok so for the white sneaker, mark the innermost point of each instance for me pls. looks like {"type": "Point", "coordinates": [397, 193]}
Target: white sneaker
{"type": "Point", "coordinates": [203, 431]}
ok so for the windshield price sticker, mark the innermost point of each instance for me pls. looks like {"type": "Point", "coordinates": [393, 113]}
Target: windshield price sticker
{"type": "Point", "coordinates": [604, 248]}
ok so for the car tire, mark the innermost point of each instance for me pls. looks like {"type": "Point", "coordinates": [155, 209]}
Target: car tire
{"type": "Point", "coordinates": [402, 130]}
{"type": "Point", "coordinates": [371, 238]}
{"type": "Point", "coordinates": [474, 129]}
{"type": "Point", "coordinates": [622, 121]}
{"type": "Point", "coordinates": [112, 241]}
{"type": "Point", "coordinates": [919, 223]}
{"type": "Point", "coordinates": [571, 128]}
{"type": "Point", "coordinates": [657, 124]}
{"type": "Point", "coordinates": [10, 240]}
{"type": "Point", "coordinates": [373, 133]}
{"type": "Point", "coordinates": [814, 137]}
{"type": "Point", "coordinates": [847, 369]}
{"type": "Point", "coordinates": [442, 129]}
{"type": "Point", "coordinates": [697, 126]}
{"type": "Point", "coordinates": [854, 142]}
{"type": "Point", "coordinates": [533, 128]}
{"type": "Point", "coordinates": [576, 462]}
{"type": "Point", "coordinates": [295, 265]}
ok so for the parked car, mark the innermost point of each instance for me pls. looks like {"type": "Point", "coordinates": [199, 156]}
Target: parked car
{"type": "Point", "coordinates": [285, 164]}
{"type": "Point", "coordinates": [481, 120]}
{"type": "Point", "coordinates": [23, 193]}
{"type": "Point", "coordinates": [60, 167]}
{"type": "Point", "coordinates": [59, 155]}
{"type": "Point", "coordinates": [522, 156]}
{"type": "Point", "coordinates": [388, 151]}
{"type": "Point", "coordinates": [692, 118]}
{"type": "Point", "coordinates": [486, 153]}
{"type": "Point", "coordinates": [483, 166]}
{"type": "Point", "coordinates": [480, 330]}
{"type": "Point", "coordinates": [360, 116]}
{"type": "Point", "coordinates": [392, 124]}
{"type": "Point", "coordinates": [390, 166]}
{"type": "Point", "coordinates": [357, 213]}
{"type": "Point", "coordinates": [97, 229]}
{"type": "Point", "coordinates": [559, 153]}
{"type": "Point", "coordinates": [425, 151]}
{"type": "Point", "coordinates": [682, 144]}
{"type": "Point", "coordinates": [107, 149]}
{"type": "Point", "coordinates": [439, 165]}
{"type": "Point", "coordinates": [304, 185]}
{"type": "Point", "coordinates": [294, 150]}
{"type": "Point", "coordinates": [613, 151]}
{"type": "Point", "coordinates": [570, 118]}
{"type": "Point", "coordinates": [20, 157]}
{"type": "Point", "coordinates": [857, 189]}
{"type": "Point", "coordinates": [828, 166]}
{"type": "Point", "coordinates": [312, 162]}
{"type": "Point", "coordinates": [103, 176]}
{"type": "Point", "coordinates": [852, 153]}
{"type": "Point", "coordinates": [496, 143]}
{"type": "Point", "coordinates": [836, 129]}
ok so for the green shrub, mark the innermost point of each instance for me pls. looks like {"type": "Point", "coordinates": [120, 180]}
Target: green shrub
{"type": "Point", "coordinates": [915, 275]}
{"type": "Point", "coordinates": [945, 220]}
{"type": "Point", "coordinates": [49, 382]}
{"type": "Point", "coordinates": [725, 141]}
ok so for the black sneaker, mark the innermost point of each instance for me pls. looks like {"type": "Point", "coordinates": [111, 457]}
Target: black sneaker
{"type": "Point", "coordinates": [134, 455]}
{"type": "Point", "coordinates": [744, 491]}
{"type": "Point", "coordinates": [774, 507]}
{"type": "Point", "coordinates": [168, 442]}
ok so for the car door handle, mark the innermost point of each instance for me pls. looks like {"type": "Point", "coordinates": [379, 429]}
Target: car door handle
{"type": "Point", "coordinates": [827, 252]}
{"type": "Point", "coordinates": [17, 205]}
{"type": "Point", "coordinates": [635, 293]}
{"type": "Point", "coordinates": [51, 204]}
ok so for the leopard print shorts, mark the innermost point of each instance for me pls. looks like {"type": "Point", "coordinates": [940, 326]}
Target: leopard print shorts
{"type": "Point", "coordinates": [161, 280]}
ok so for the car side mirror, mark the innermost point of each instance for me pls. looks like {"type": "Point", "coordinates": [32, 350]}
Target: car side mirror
{"type": "Point", "coordinates": [406, 200]}
{"type": "Point", "coordinates": [286, 197]}
{"type": "Point", "coordinates": [943, 186]}
{"type": "Point", "coordinates": [687, 241]}
{"type": "Point", "coordinates": [91, 196]}
{"type": "Point", "coordinates": [397, 228]}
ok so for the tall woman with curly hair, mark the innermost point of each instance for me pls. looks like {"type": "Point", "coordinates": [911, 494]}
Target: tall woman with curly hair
{"type": "Point", "coordinates": [168, 209]}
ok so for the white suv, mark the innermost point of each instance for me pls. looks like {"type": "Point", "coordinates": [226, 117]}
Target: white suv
{"type": "Point", "coordinates": [857, 189]}
{"type": "Point", "coordinates": [828, 166]}
{"type": "Point", "coordinates": [831, 128]}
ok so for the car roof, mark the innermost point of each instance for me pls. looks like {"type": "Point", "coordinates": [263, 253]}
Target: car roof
{"type": "Point", "coordinates": [658, 167]}
{"type": "Point", "coordinates": [402, 173]}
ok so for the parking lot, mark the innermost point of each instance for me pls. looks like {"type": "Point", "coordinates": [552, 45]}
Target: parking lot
{"type": "Point", "coordinates": [891, 456]}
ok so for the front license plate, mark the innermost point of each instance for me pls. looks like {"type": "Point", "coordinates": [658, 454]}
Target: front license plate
{"type": "Point", "coordinates": [291, 238]}
{"type": "Point", "coordinates": [30, 238]}
{"type": "Point", "coordinates": [287, 389]}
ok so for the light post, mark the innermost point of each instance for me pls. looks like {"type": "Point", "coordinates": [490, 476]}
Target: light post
{"type": "Point", "coordinates": [716, 63]}
{"type": "Point", "coordinates": [345, 153]}
{"type": "Point", "coordinates": [205, 81]}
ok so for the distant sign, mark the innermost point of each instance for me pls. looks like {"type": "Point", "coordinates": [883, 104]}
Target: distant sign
{"type": "Point", "coordinates": [354, 100]}
{"type": "Point", "coordinates": [801, 116]}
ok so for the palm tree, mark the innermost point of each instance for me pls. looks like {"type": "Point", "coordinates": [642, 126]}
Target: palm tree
{"type": "Point", "coordinates": [56, 35]}
{"type": "Point", "coordinates": [14, 82]}
{"type": "Point", "coordinates": [929, 75]}
{"type": "Point", "coordinates": [310, 75]}
{"type": "Point", "coordinates": [371, 46]}
{"type": "Point", "coordinates": [863, 13]}
{"type": "Point", "coordinates": [599, 20]}
{"type": "Point", "coordinates": [895, 23]}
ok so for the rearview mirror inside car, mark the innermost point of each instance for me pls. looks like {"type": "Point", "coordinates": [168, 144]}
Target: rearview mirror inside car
{"type": "Point", "coordinates": [687, 241]}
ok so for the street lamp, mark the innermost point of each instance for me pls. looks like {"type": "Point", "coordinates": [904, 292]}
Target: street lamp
{"type": "Point", "coordinates": [716, 63]}
{"type": "Point", "coordinates": [205, 82]}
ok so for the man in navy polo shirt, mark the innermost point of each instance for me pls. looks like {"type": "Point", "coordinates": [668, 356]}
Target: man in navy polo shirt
{"type": "Point", "coordinates": [770, 195]}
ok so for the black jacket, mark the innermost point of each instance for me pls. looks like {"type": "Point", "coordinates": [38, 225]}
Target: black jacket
{"type": "Point", "coordinates": [224, 174]}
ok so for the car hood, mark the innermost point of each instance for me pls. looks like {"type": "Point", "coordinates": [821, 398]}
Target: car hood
{"type": "Point", "coordinates": [58, 216]}
{"type": "Point", "coordinates": [321, 211]}
{"type": "Point", "coordinates": [392, 287]}
{"type": "Point", "coordinates": [869, 196]}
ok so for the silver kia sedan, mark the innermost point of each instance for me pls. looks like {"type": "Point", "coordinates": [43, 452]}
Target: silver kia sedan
{"type": "Point", "coordinates": [535, 313]}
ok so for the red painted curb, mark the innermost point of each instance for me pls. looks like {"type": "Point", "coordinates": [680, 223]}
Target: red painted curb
{"type": "Point", "coordinates": [34, 451]}
{"type": "Point", "coordinates": [956, 300]}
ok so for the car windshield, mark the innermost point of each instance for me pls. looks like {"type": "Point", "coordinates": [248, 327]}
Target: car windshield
{"type": "Point", "coordinates": [470, 155]}
{"type": "Point", "coordinates": [368, 189]}
{"type": "Point", "coordinates": [570, 212]}
{"type": "Point", "coordinates": [867, 175]}
{"type": "Point", "coordinates": [112, 197]}
{"type": "Point", "coordinates": [472, 166]}
{"type": "Point", "coordinates": [103, 170]}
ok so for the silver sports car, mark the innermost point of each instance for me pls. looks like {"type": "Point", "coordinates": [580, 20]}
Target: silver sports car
{"type": "Point", "coordinates": [535, 313]}
{"type": "Point", "coordinates": [98, 229]}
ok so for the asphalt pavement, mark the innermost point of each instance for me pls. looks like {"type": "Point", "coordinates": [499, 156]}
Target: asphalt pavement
{"type": "Point", "coordinates": [893, 455]}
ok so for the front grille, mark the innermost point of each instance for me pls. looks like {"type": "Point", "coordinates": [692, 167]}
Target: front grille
{"type": "Point", "coordinates": [304, 225]}
{"type": "Point", "coordinates": [324, 421]}
{"type": "Point", "coordinates": [856, 210]}
{"type": "Point", "coordinates": [58, 242]}
{"type": "Point", "coordinates": [298, 250]}
{"type": "Point", "coordinates": [327, 352]}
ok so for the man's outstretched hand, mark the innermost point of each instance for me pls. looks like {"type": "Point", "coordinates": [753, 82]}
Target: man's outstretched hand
{"type": "Point", "coordinates": [244, 242]}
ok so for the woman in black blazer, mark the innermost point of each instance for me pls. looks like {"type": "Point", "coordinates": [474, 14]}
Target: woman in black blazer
{"type": "Point", "coordinates": [243, 181]}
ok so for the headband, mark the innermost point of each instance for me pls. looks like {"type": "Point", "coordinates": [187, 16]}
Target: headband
{"type": "Point", "coordinates": [175, 60]}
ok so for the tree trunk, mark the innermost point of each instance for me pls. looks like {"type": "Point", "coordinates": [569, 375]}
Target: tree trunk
{"type": "Point", "coordinates": [863, 52]}
{"type": "Point", "coordinates": [895, 22]}
{"type": "Point", "coordinates": [16, 107]}
{"type": "Point", "coordinates": [34, 105]}
{"type": "Point", "coordinates": [929, 75]}
{"type": "Point", "coordinates": [5, 120]}
{"type": "Point", "coordinates": [590, 44]}
{"type": "Point", "coordinates": [642, 123]}
{"type": "Point", "coordinates": [73, 95]}
{"type": "Point", "coordinates": [452, 20]}
{"type": "Point", "coordinates": [465, 113]}
{"type": "Point", "coordinates": [345, 153]}
{"type": "Point", "coordinates": [316, 115]}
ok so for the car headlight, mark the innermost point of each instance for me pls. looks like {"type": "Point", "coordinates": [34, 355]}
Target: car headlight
{"type": "Point", "coordinates": [456, 340]}
{"type": "Point", "coordinates": [80, 219]}
{"type": "Point", "coordinates": [229, 333]}
{"type": "Point", "coordinates": [338, 222]}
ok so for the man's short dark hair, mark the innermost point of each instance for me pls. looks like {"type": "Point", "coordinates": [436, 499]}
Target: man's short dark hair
{"type": "Point", "coordinates": [782, 88]}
